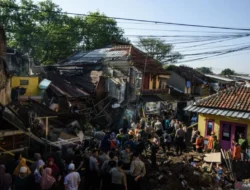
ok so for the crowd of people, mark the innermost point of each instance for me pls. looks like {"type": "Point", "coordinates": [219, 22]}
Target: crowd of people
{"type": "Point", "coordinates": [114, 162]}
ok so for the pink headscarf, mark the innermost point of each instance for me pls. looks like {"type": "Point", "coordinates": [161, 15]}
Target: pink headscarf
{"type": "Point", "coordinates": [47, 179]}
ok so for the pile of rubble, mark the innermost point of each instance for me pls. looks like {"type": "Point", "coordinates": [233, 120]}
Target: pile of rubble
{"type": "Point", "coordinates": [188, 171]}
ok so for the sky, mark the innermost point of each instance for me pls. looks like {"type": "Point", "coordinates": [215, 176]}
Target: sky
{"type": "Point", "coordinates": [226, 13]}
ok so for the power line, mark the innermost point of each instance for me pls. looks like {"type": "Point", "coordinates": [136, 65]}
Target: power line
{"type": "Point", "coordinates": [129, 19]}
{"type": "Point", "coordinates": [215, 47]}
{"type": "Point", "coordinates": [184, 31]}
{"type": "Point", "coordinates": [218, 54]}
{"type": "Point", "coordinates": [207, 43]}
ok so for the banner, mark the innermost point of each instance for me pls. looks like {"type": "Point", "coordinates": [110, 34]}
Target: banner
{"type": "Point", "coordinates": [153, 108]}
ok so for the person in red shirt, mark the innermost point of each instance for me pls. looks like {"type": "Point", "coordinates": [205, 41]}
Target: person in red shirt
{"type": "Point", "coordinates": [199, 143]}
{"type": "Point", "coordinates": [236, 151]}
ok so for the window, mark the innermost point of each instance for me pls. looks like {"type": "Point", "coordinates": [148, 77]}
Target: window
{"type": "Point", "coordinates": [226, 131]}
{"type": "Point", "coordinates": [209, 127]}
{"type": "Point", "coordinates": [24, 82]}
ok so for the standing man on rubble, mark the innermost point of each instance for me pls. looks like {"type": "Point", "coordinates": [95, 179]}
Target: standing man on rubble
{"type": "Point", "coordinates": [158, 128]}
{"type": "Point", "coordinates": [138, 171]}
{"type": "Point", "coordinates": [179, 139]}
{"type": "Point", "coordinates": [244, 146]}
{"type": "Point", "coordinates": [210, 141]}
{"type": "Point", "coordinates": [125, 125]}
{"type": "Point", "coordinates": [94, 170]}
{"type": "Point", "coordinates": [193, 137]}
{"type": "Point", "coordinates": [199, 143]}
{"type": "Point", "coordinates": [99, 135]}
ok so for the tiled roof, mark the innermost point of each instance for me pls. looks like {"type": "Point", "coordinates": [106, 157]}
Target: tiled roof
{"type": "Point", "coordinates": [234, 98]}
{"type": "Point", "coordinates": [189, 74]}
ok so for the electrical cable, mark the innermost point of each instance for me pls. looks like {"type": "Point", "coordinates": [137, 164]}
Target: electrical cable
{"type": "Point", "coordinates": [127, 19]}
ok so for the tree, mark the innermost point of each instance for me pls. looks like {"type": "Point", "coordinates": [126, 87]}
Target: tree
{"type": "Point", "coordinates": [47, 35]}
{"type": "Point", "coordinates": [99, 31]}
{"type": "Point", "coordinates": [228, 72]}
{"type": "Point", "coordinates": [205, 70]}
{"type": "Point", "coordinates": [159, 50]}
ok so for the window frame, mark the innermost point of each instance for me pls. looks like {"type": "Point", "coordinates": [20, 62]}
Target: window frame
{"type": "Point", "coordinates": [230, 132]}
{"type": "Point", "coordinates": [206, 127]}
{"type": "Point", "coordinates": [22, 81]}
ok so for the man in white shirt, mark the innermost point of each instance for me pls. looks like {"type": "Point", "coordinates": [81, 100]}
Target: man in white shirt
{"type": "Point", "coordinates": [137, 171]}
{"type": "Point", "coordinates": [158, 128]}
{"type": "Point", "coordinates": [72, 180]}
{"type": "Point", "coordinates": [133, 124]}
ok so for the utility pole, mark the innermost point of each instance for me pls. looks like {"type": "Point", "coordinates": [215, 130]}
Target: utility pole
{"type": "Point", "coordinates": [46, 131]}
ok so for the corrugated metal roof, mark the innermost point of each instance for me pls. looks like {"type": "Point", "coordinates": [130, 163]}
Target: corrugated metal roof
{"type": "Point", "coordinates": [246, 115]}
{"type": "Point", "coordinates": [205, 110]}
{"type": "Point", "coordinates": [229, 113]}
{"type": "Point", "coordinates": [220, 78]}
{"type": "Point", "coordinates": [221, 112]}
{"type": "Point", "coordinates": [97, 55]}
{"type": "Point", "coordinates": [243, 77]}
{"type": "Point", "coordinates": [188, 108]}
{"type": "Point", "coordinates": [192, 108]}
{"type": "Point", "coordinates": [214, 111]}
{"type": "Point", "coordinates": [224, 113]}
{"type": "Point", "coordinates": [196, 109]}
{"type": "Point", "coordinates": [210, 111]}
{"type": "Point", "coordinates": [235, 114]}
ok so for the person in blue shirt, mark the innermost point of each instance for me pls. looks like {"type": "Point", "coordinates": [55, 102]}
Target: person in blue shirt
{"type": "Point", "coordinates": [167, 123]}
{"type": "Point", "coordinates": [194, 119]}
{"type": "Point", "coordinates": [130, 143]}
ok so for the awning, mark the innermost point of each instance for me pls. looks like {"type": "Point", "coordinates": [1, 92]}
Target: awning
{"type": "Point", "coordinates": [221, 112]}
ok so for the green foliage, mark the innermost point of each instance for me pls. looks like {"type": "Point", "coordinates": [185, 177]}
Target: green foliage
{"type": "Point", "coordinates": [228, 71]}
{"type": "Point", "coordinates": [159, 50]}
{"type": "Point", "coordinates": [100, 31]}
{"type": "Point", "coordinates": [205, 70]}
{"type": "Point", "coordinates": [47, 35]}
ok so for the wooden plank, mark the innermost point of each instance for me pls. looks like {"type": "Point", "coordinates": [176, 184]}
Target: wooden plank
{"type": "Point", "coordinates": [213, 157]}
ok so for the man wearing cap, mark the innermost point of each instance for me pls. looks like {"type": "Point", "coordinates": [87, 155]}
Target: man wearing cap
{"type": "Point", "coordinates": [72, 180]}
{"type": "Point", "coordinates": [21, 181]}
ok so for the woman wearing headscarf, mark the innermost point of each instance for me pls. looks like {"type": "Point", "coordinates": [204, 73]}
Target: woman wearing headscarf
{"type": "Point", "coordinates": [48, 181]}
{"type": "Point", "coordinates": [38, 161]}
{"type": "Point", "coordinates": [54, 167]}
{"type": "Point", "coordinates": [22, 163]}
{"type": "Point", "coordinates": [105, 144]}
{"type": "Point", "coordinates": [5, 179]}
{"type": "Point", "coordinates": [114, 143]}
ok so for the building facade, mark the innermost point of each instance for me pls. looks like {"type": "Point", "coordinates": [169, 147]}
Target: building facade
{"type": "Point", "coordinates": [227, 113]}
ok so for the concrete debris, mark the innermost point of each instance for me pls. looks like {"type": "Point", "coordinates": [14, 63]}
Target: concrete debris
{"type": "Point", "coordinates": [185, 172]}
